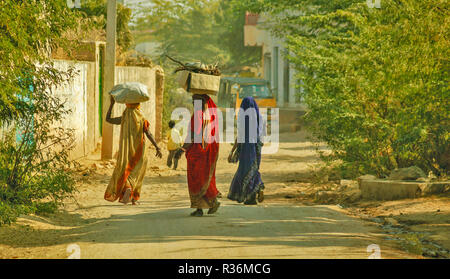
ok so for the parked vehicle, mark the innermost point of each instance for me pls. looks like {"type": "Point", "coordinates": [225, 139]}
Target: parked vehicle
{"type": "Point", "coordinates": [234, 89]}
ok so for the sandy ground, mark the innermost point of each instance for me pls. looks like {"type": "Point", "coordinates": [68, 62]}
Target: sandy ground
{"type": "Point", "coordinates": [421, 226]}
{"type": "Point", "coordinates": [285, 225]}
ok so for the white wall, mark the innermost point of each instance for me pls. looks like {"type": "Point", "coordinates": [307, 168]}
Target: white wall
{"type": "Point", "coordinates": [75, 95]}
{"type": "Point", "coordinates": [82, 96]}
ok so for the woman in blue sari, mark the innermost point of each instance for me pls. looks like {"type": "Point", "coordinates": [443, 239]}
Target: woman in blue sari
{"type": "Point", "coordinates": [247, 183]}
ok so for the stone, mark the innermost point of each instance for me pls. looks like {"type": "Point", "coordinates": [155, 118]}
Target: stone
{"type": "Point", "coordinates": [434, 188]}
{"type": "Point", "coordinates": [389, 190]}
{"type": "Point", "coordinates": [411, 173]}
{"type": "Point", "coordinates": [326, 196]}
{"type": "Point", "coordinates": [377, 220]}
{"type": "Point", "coordinates": [391, 221]}
{"type": "Point", "coordinates": [349, 184]}
{"type": "Point", "coordinates": [365, 177]}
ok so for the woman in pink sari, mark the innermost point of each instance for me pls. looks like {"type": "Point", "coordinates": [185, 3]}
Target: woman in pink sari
{"type": "Point", "coordinates": [202, 150]}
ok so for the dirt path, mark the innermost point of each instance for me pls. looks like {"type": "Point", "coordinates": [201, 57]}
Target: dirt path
{"type": "Point", "coordinates": [160, 227]}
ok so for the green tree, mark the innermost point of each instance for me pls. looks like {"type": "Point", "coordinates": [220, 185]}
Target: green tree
{"type": "Point", "coordinates": [206, 30]}
{"type": "Point", "coordinates": [95, 10]}
{"type": "Point", "coordinates": [375, 80]}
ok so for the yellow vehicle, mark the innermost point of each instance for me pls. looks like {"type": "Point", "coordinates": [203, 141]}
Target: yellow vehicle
{"type": "Point", "coordinates": [234, 89]}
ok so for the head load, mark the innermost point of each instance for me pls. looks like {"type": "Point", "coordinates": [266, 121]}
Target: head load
{"type": "Point", "coordinates": [130, 93]}
{"type": "Point", "coordinates": [198, 78]}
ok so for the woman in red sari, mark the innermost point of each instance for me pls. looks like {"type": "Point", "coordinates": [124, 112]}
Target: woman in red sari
{"type": "Point", "coordinates": [202, 150]}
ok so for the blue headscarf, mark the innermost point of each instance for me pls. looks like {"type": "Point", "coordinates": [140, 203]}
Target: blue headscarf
{"type": "Point", "coordinates": [252, 121]}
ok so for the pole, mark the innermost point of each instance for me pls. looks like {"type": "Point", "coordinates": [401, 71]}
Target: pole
{"type": "Point", "coordinates": [110, 73]}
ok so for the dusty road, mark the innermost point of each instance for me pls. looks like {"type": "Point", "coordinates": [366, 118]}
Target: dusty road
{"type": "Point", "coordinates": [160, 227]}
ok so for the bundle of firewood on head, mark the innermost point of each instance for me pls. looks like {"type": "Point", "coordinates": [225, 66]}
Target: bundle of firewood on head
{"type": "Point", "coordinates": [198, 78]}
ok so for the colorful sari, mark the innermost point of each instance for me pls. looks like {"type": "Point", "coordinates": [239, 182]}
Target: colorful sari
{"type": "Point", "coordinates": [202, 157]}
{"type": "Point", "coordinates": [247, 180]}
{"type": "Point", "coordinates": [132, 160]}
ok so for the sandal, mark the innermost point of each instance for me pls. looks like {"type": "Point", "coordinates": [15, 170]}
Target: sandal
{"type": "Point", "coordinates": [251, 201]}
{"type": "Point", "coordinates": [197, 213]}
{"type": "Point", "coordinates": [213, 209]}
{"type": "Point", "coordinates": [261, 196]}
{"type": "Point", "coordinates": [133, 202]}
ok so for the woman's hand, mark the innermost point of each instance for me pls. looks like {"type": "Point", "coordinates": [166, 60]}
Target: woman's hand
{"type": "Point", "coordinates": [158, 152]}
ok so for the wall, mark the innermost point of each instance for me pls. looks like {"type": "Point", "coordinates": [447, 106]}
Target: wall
{"type": "Point", "coordinates": [82, 96]}
{"type": "Point", "coordinates": [75, 94]}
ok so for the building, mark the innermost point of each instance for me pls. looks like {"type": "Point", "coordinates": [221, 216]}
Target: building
{"type": "Point", "coordinates": [275, 68]}
{"type": "Point", "coordinates": [275, 65]}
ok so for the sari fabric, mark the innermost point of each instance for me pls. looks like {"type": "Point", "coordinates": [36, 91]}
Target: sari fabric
{"type": "Point", "coordinates": [202, 157]}
{"type": "Point", "coordinates": [132, 160]}
{"type": "Point", "coordinates": [247, 181]}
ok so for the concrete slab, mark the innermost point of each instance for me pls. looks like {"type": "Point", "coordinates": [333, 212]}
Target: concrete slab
{"type": "Point", "coordinates": [377, 189]}
{"type": "Point", "coordinates": [389, 190]}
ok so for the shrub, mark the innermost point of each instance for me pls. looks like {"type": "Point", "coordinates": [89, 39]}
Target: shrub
{"type": "Point", "coordinates": [34, 163]}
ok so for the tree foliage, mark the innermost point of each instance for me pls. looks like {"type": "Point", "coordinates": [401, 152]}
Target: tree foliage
{"type": "Point", "coordinates": [375, 80]}
{"type": "Point", "coordinates": [96, 11]}
{"type": "Point", "coordinates": [207, 30]}
{"type": "Point", "coordinates": [29, 31]}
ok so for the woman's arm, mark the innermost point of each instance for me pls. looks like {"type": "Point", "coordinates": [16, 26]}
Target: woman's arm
{"type": "Point", "coordinates": [152, 140]}
{"type": "Point", "coordinates": [115, 120]}
{"type": "Point", "coordinates": [232, 150]}
{"type": "Point", "coordinates": [234, 145]}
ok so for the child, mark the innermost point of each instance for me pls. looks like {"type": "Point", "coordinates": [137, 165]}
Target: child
{"type": "Point", "coordinates": [174, 142]}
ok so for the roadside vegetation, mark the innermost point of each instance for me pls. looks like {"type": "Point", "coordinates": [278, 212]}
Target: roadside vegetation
{"type": "Point", "coordinates": [375, 80]}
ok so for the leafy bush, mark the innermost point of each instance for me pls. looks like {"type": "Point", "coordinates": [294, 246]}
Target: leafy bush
{"type": "Point", "coordinates": [34, 163]}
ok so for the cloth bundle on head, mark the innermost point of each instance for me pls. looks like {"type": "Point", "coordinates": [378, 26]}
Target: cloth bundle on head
{"type": "Point", "coordinates": [130, 93]}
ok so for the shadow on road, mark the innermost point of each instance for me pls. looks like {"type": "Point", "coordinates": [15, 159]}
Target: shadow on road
{"type": "Point", "coordinates": [300, 226]}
